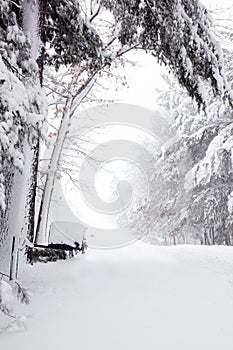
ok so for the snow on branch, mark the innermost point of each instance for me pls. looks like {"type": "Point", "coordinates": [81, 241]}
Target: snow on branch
{"type": "Point", "coordinates": [10, 292]}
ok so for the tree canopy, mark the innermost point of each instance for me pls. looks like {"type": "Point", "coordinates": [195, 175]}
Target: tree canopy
{"type": "Point", "coordinates": [178, 33]}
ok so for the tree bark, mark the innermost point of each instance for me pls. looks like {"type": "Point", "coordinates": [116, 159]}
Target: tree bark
{"type": "Point", "coordinates": [72, 103]}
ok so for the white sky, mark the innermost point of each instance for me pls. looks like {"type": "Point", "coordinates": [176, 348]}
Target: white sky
{"type": "Point", "coordinates": [212, 4]}
{"type": "Point", "coordinates": [143, 81]}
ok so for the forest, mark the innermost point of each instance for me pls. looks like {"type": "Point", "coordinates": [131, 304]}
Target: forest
{"type": "Point", "coordinates": [61, 66]}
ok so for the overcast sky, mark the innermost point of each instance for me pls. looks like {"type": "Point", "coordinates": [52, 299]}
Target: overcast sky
{"type": "Point", "coordinates": [144, 79]}
{"type": "Point", "coordinates": [211, 4]}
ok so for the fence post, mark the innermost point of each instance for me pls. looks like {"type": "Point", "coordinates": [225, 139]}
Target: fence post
{"type": "Point", "coordinates": [12, 262]}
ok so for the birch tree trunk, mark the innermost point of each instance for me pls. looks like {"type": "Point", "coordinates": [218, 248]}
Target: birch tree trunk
{"type": "Point", "coordinates": [72, 103]}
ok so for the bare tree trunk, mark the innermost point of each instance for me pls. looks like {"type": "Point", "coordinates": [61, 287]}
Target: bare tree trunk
{"type": "Point", "coordinates": [42, 225]}
{"type": "Point", "coordinates": [174, 240]}
{"type": "Point", "coordinates": [212, 234]}
{"type": "Point", "coordinates": [32, 197]}
{"type": "Point", "coordinates": [40, 61]}
{"type": "Point", "coordinates": [72, 103]}
{"type": "Point", "coordinates": [206, 238]}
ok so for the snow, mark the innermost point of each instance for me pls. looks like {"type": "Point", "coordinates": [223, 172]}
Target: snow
{"type": "Point", "coordinates": [211, 164]}
{"type": "Point", "coordinates": [136, 297]}
{"type": "Point", "coordinates": [30, 16]}
{"type": "Point", "coordinates": [6, 297]}
{"type": "Point", "coordinates": [230, 202]}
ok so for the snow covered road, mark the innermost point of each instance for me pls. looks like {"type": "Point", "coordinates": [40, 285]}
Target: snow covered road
{"type": "Point", "coordinates": [136, 297]}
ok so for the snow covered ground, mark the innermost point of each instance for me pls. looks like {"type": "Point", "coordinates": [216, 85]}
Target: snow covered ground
{"type": "Point", "coordinates": [136, 297]}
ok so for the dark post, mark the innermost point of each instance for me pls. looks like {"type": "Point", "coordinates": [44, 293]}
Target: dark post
{"type": "Point", "coordinates": [12, 259]}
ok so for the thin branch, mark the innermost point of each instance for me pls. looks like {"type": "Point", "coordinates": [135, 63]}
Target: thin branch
{"type": "Point", "coordinates": [55, 91]}
{"type": "Point", "coordinates": [95, 14]}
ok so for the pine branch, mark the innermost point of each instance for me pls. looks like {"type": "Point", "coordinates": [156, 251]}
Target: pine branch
{"type": "Point", "coordinates": [21, 292]}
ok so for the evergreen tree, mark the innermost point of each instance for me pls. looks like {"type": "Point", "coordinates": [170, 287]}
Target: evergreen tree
{"type": "Point", "coordinates": [207, 138]}
{"type": "Point", "coordinates": [67, 36]}
{"type": "Point", "coordinates": [22, 110]}
{"type": "Point", "coordinates": [178, 33]}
